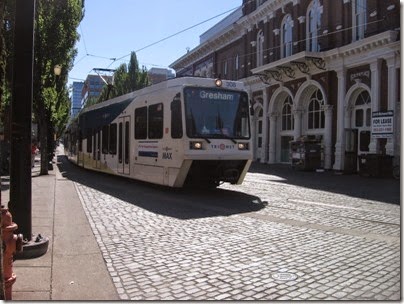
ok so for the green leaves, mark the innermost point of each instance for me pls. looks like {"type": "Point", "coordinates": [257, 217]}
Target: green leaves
{"type": "Point", "coordinates": [55, 38]}
{"type": "Point", "coordinates": [127, 78]}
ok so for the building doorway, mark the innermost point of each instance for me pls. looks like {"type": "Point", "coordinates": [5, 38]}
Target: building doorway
{"type": "Point", "coordinates": [285, 148]}
{"type": "Point", "coordinates": [258, 134]}
{"type": "Point", "coordinates": [361, 120]}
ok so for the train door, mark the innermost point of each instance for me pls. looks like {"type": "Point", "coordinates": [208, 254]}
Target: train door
{"type": "Point", "coordinates": [80, 154]}
{"type": "Point", "coordinates": [124, 145]}
{"type": "Point", "coordinates": [97, 150]}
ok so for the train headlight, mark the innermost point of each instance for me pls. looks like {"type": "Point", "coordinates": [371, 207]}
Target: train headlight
{"type": "Point", "coordinates": [195, 145]}
{"type": "Point", "coordinates": [218, 82]}
{"type": "Point", "coordinates": [243, 146]}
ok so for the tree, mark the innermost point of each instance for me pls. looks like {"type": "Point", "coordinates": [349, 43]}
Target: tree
{"type": "Point", "coordinates": [55, 37]}
{"type": "Point", "coordinates": [127, 78]}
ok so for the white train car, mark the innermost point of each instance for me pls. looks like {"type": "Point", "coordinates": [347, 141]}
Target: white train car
{"type": "Point", "coordinates": [182, 131]}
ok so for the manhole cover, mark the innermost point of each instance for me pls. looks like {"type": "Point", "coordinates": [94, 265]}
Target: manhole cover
{"type": "Point", "coordinates": [284, 276]}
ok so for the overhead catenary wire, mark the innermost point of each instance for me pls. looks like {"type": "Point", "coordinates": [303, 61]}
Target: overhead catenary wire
{"type": "Point", "coordinates": [175, 34]}
{"type": "Point", "coordinates": [114, 59]}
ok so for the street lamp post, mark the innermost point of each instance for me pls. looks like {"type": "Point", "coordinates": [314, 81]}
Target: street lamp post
{"type": "Point", "coordinates": [57, 69]}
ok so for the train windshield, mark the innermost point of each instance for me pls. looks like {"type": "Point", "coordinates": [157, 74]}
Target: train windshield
{"type": "Point", "coordinates": [216, 113]}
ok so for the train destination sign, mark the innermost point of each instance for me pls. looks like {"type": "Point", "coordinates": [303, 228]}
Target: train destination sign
{"type": "Point", "coordinates": [382, 124]}
{"type": "Point", "coordinates": [216, 96]}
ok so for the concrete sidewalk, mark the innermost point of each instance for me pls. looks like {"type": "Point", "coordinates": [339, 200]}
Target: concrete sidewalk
{"type": "Point", "coordinates": [73, 267]}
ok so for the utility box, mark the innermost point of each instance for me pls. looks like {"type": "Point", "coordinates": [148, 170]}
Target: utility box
{"type": "Point", "coordinates": [305, 155]}
{"type": "Point", "coordinates": [377, 165]}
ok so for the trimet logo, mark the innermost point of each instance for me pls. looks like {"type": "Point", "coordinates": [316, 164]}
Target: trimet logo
{"type": "Point", "coordinates": [222, 147]}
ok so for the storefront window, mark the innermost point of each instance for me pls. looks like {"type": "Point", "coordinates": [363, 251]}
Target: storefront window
{"type": "Point", "coordinates": [316, 115]}
{"type": "Point", "coordinates": [287, 116]}
{"type": "Point", "coordinates": [368, 117]}
{"type": "Point", "coordinates": [359, 118]}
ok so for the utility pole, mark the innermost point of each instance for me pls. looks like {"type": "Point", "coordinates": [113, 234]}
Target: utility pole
{"type": "Point", "coordinates": [20, 204]}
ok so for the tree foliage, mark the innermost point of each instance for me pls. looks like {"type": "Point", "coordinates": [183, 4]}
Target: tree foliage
{"type": "Point", "coordinates": [7, 12]}
{"type": "Point", "coordinates": [127, 78]}
{"type": "Point", "coordinates": [55, 37]}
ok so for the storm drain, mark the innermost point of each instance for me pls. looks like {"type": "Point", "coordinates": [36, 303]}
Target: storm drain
{"type": "Point", "coordinates": [284, 276]}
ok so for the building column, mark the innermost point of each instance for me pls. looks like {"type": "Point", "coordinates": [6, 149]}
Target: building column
{"type": "Point", "coordinates": [328, 110]}
{"type": "Point", "coordinates": [254, 134]}
{"type": "Point", "coordinates": [340, 143]}
{"type": "Point", "coordinates": [392, 101]}
{"type": "Point", "coordinates": [264, 149]}
{"type": "Point", "coordinates": [297, 115]}
{"type": "Point", "coordinates": [375, 67]}
{"type": "Point", "coordinates": [273, 118]}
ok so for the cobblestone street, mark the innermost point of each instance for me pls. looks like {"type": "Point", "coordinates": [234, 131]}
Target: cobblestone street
{"type": "Point", "coordinates": [282, 235]}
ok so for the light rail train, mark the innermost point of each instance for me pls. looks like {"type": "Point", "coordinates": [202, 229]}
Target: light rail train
{"type": "Point", "coordinates": [181, 131]}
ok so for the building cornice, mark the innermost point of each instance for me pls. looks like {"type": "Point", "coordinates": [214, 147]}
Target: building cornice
{"type": "Point", "coordinates": [383, 45]}
{"type": "Point", "coordinates": [359, 52]}
{"type": "Point", "coordinates": [230, 34]}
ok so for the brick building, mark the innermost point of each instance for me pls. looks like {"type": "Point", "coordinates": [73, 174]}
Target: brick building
{"type": "Point", "coordinates": [322, 70]}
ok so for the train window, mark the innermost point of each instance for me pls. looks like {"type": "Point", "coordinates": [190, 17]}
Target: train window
{"type": "Point", "coordinates": [89, 141]}
{"type": "Point", "coordinates": [94, 144]}
{"type": "Point", "coordinates": [80, 139]}
{"type": "Point", "coordinates": [120, 144]}
{"type": "Point", "coordinates": [105, 135]}
{"type": "Point", "coordinates": [156, 121]}
{"type": "Point", "coordinates": [141, 123]}
{"type": "Point", "coordinates": [112, 138]}
{"type": "Point", "coordinates": [176, 117]}
{"type": "Point", "coordinates": [127, 142]}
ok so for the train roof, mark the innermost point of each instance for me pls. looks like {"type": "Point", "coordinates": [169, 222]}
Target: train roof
{"type": "Point", "coordinates": [100, 114]}
{"type": "Point", "coordinates": [170, 83]}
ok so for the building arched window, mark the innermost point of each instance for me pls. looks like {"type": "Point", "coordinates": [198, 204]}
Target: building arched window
{"type": "Point", "coordinates": [259, 2]}
{"type": "Point", "coordinates": [260, 48]}
{"type": "Point", "coordinates": [287, 115]}
{"type": "Point", "coordinates": [359, 19]}
{"type": "Point", "coordinates": [287, 28]}
{"type": "Point", "coordinates": [236, 66]}
{"type": "Point", "coordinates": [316, 117]}
{"type": "Point", "coordinates": [363, 113]}
{"type": "Point", "coordinates": [224, 68]}
{"type": "Point", "coordinates": [313, 25]}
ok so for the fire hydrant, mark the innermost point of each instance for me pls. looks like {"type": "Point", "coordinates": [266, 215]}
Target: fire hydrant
{"type": "Point", "coordinates": [12, 243]}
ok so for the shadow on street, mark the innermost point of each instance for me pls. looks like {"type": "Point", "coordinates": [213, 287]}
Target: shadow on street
{"type": "Point", "coordinates": [372, 188]}
{"type": "Point", "coordinates": [184, 203]}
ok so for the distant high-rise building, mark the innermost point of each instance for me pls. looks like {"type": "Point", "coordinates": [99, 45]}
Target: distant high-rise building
{"type": "Point", "coordinates": [157, 75]}
{"type": "Point", "coordinates": [76, 98]}
{"type": "Point", "coordinates": [93, 86]}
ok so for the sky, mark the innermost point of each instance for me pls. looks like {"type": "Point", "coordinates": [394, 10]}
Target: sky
{"type": "Point", "coordinates": [113, 29]}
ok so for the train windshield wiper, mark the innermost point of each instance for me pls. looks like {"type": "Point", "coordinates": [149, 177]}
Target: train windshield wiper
{"type": "Point", "coordinates": [202, 136]}
{"type": "Point", "coordinates": [228, 137]}
{"type": "Point", "coordinates": [223, 136]}
{"type": "Point", "coordinates": [231, 138]}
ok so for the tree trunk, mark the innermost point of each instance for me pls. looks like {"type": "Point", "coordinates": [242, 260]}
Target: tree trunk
{"type": "Point", "coordinates": [43, 139]}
